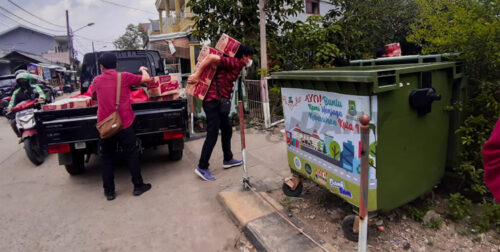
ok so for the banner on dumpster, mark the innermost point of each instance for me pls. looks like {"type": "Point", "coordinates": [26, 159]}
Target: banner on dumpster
{"type": "Point", "coordinates": [324, 141]}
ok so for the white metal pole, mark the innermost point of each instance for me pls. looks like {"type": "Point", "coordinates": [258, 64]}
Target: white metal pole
{"type": "Point", "coordinates": [263, 65]}
{"type": "Point", "coordinates": [363, 185]}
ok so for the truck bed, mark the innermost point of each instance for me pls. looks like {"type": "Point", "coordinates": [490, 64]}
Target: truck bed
{"type": "Point", "coordinates": [78, 125]}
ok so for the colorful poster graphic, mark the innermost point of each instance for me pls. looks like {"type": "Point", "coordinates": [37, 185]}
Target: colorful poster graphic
{"type": "Point", "coordinates": [323, 130]}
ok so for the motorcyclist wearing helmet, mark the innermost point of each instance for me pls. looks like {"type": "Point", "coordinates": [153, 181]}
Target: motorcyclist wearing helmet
{"type": "Point", "coordinates": [25, 91]}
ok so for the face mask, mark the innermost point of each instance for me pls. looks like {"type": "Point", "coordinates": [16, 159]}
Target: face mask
{"type": "Point", "coordinates": [249, 64]}
{"type": "Point", "coordinates": [23, 84]}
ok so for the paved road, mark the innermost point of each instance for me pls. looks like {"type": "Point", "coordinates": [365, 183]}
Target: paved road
{"type": "Point", "coordinates": [44, 209]}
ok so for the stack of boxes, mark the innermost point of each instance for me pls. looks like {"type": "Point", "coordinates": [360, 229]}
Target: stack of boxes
{"type": "Point", "coordinates": [160, 88]}
{"type": "Point", "coordinates": [68, 103]}
{"type": "Point", "coordinates": [226, 45]}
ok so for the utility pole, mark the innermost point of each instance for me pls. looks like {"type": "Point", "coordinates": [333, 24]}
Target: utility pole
{"type": "Point", "coordinates": [70, 41]}
{"type": "Point", "coordinates": [263, 65]}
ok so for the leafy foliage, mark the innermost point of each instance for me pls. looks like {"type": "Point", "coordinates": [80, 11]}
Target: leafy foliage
{"type": "Point", "coordinates": [459, 207]}
{"type": "Point", "coordinates": [471, 28]}
{"type": "Point", "coordinates": [487, 217]}
{"type": "Point", "coordinates": [240, 19]}
{"type": "Point", "coordinates": [305, 45]}
{"type": "Point", "coordinates": [134, 38]}
{"type": "Point", "coordinates": [365, 25]}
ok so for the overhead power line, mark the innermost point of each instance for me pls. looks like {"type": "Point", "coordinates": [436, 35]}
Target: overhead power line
{"type": "Point", "coordinates": [91, 39]}
{"type": "Point", "coordinates": [33, 15]}
{"type": "Point", "coordinates": [128, 7]}
{"type": "Point", "coordinates": [7, 11]}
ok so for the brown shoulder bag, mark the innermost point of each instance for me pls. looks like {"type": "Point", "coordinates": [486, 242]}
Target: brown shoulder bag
{"type": "Point", "coordinates": [112, 124]}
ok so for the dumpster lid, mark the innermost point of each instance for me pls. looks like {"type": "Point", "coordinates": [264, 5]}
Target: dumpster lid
{"type": "Point", "coordinates": [365, 74]}
{"type": "Point", "coordinates": [384, 77]}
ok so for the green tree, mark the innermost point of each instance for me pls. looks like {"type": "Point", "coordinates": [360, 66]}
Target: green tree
{"type": "Point", "coordinates": [472, 29]}
{"type": "Point", "coordinates": [468, 27]}
{"type": "Point", "coordinates": [305, 45]}
{"type": "Point", "coordinates": [134, 38]}
{"type": "Point", "coordinates": [240, 18]}
{"type": "Point", "coordinates": [335, 150]}
{"type": "Point", "coordinates": [365, 25]}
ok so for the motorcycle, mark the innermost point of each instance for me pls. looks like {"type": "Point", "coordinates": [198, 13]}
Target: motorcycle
{"type": "Point", "coordinates": [4, 103]}
{"type": "Point", "coordinates": [25, 128]}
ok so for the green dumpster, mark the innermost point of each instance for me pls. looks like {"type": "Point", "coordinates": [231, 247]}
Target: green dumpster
{"type": "Point", "coordinates": [412, 129]}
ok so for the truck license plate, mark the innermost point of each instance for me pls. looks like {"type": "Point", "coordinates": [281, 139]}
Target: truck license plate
{"type": "Point", "coordinates": [80, 145]}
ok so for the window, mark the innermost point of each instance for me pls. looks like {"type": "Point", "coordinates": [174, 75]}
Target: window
{"type": "Point", "coordinates": [312, 6]}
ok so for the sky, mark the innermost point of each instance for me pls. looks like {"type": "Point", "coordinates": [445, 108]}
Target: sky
{"type": "Point", "coordinates": [110, 20]}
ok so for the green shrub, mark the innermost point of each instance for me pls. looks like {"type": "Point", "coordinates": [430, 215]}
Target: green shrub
{"type": "Point", "coordinates": [459, 207]}
{"type": "Point", "coordinates": [486, 217]}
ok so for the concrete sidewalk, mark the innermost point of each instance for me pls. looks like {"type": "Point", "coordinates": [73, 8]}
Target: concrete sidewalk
{"type": "Point", "coordinates": [45, 209]}
{"type": "Point", "coordinates": [267, 166]}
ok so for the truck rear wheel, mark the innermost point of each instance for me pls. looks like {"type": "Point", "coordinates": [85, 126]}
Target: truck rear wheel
{"type": "Point", "coordinates": [174, 155]}
{"type": "Point", "coordinates": [78, 165]}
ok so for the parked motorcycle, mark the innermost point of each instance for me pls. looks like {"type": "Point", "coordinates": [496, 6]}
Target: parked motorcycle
{"type": "Point", "coordinates": [25, 128]}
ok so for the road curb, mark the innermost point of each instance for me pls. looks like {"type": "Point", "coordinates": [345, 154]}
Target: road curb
{"type": "Point", "coordinates": [263, 226]}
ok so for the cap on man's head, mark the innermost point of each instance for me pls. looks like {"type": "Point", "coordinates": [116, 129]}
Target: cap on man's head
{"type": "Point", "coordinates": [108, 60]}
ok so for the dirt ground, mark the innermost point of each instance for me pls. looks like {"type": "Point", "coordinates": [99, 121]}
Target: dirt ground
{"type": "Point", "coordinates": [323, 212]}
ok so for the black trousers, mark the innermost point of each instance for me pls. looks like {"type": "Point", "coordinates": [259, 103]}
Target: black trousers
{"type": "Point", "coordinates": [127, 141]}
{"type": "Point", "coordinates": [216, 121]}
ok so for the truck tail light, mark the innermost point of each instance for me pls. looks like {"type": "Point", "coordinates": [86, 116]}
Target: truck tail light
{"type": "Point", "coordinates": [173, 135]}
{"type": "Point", "coordinates": [59, 148]}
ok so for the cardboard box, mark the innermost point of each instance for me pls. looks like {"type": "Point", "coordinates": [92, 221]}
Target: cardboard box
{"type": "Point", "coordinates": [163, 85]}
{"type": "Point", "coordinates": [205, 51]}
{"type": "Point", "coordinates": [57, 105]}
{"type": "Point", "coordinates": [166, 97]}
{"type": "Point", "coordinates": [68, 103]}
{"type": "Point", "coordinates": [393, 50]}
{"type": "Point", "coordinates": [80, 102]}
{"type": "Point", "coordinates": [227, 45]}
{"type": "Point", "coordinates": [208, 73]}
{"type": "Point", "coordinates": [198, 90]}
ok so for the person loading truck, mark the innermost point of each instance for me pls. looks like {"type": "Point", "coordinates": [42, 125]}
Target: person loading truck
{"type": "Point", "coordinates": [105, 86]}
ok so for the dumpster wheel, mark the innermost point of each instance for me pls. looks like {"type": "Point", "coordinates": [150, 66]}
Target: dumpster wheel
{"type": "Point", "coordinates": [348, 228]}
{"type": "Point", "coordinates": [290, 192]}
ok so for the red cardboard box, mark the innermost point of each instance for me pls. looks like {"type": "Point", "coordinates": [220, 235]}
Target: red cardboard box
{"type": "Point", "coordinates": [58, 105]}
{"type": "Point", "coordinates": [198, 90]}
{"type": "Point", "coordinates": [205, 51]}
{"type": "Point", "coordinates": [393, 50]}
{"type": "Point", "coordinates": [228, 45]}
{"type": "Point", "coordinates": [68, 103]}
{"type": "Point", "coordinates": [166, 97]}
{"type": "Point", "coordinates": [80, 102]}
{"type": "Point", "coordinates": [208, 74]}
{"type": "Point", "coordinates": [163, 85]}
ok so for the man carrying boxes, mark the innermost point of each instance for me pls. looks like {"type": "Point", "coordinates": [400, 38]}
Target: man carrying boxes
{"type": "Point", "coordinates": [216, 97]}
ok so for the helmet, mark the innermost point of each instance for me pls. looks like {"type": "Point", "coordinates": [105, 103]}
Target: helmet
{"type": "Point", "coordinates": [23, 75]}
{"type": "Point", "coordinates": [23, 80]}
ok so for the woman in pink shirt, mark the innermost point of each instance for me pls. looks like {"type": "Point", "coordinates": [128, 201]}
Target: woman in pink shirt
{"type": "Point", "coordinates": [105, 86]}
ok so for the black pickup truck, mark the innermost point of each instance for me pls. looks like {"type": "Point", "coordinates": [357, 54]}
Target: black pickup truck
{"type": "Point", "coordinates": [71, 133]}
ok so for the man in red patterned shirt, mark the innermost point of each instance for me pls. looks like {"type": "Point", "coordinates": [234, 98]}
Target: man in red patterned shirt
{"type": "Point", "coordinates": [221, 88]}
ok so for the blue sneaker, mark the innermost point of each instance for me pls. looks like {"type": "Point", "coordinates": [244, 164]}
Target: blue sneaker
{"type": "Point", "coordinates": [204, 174]}
{"type": "Point", "coordinates": [231, 163]}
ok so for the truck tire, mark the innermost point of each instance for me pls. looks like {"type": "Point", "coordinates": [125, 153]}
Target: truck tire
{"type": "Point", "coordinates": [78, 165]}
{"type": "Point", "coordinates": [174, 155]}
